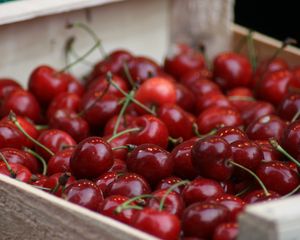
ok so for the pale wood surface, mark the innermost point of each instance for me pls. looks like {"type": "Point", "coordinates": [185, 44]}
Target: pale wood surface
{"type": "Point", "coordinates": [29, 213]}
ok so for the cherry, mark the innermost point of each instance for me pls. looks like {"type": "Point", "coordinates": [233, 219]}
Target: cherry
{"type": "Point", "coordinates": [226, 231]}
{"type": "Point", "coordinates": [91, 158]}
{"type": "Point", "coordinates": [60, 162]}
{"type": "Point", "coordinates": [173, 202]}
{"type": "Point", "coordinates": [194, 75]}
{"type": "Point", "coordinates": [181, 157]}
{"type": "Point", "coordinates": [7, 86]}
{"type": "Point", "coordinates": [57, 183]}
{"type": "Point", "coordinates": [289, 107]}
{"type": "Point", "coordinates": [161, 224]}
{"type": "Point", "coordinates": [84, 193]}
{"type": "Point", "coordinates": [260, 196]}
{"type": "Point", "coordinates": [111, 124]}
{"type": "Point", "coordinates": [178, 122]}
{"type": "Point", "coordinates": [201, 219]}
{"type": "Point", "coordinates": [211, 99]}
{"type": "Point", "coordinates": [108, 208]}
{"type": "Point", "coordinates": [118, 166]}
{"type": "Point", "coordinates": [266, 127]}
{"type": "Point", "coordinates": [152, 131]}
{"type": "Point", "coordinates": [214, 117]}
{"type": "Point", "coordinates": [168, 182]}
{"type": "Point", "coordinates": [204, 86]}
{"type": "Point", "coordinates": [117, 142]}
{"type": "Point", "coordinates": [105, 179]}
{"type": "Point", "coordinates": [129, 185]}
{"type": "Point", "coordinates": [278, 177]}
{"type": "Point", "coordinates": [46, 78]}
{"type": "Point", "coordinates": [231, 134]}
{"type": "Point", "coordinates": [232, 70]}
{"type": "Point", "coordinates": [23, 103]}
{"type": "Point", "coordinates": [185, 98]}
{"type": "Point", "coordinates": [291, 138]}
{"type": "Point", "coordinates": [269, 153]}
{"type": "Point", "coordinates": [10, 136]}
{"type": "Point", "coordinates": [16, 171]}
{"type": "Point", "coordinates": [201, 189]}
{"type": "Point", "coordinates": [182, 60]}
{"type": "Point", "coordinates": [239, 92]}
{"type": "Point", "coordinates": [38, 180]}
{"type": "Point", "coordinates": [74, 86]}
{"type": "Point", "coordinates": [210, 157]}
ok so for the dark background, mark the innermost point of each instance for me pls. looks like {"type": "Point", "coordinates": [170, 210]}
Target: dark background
{"type": "Point", "coordinates": [278, 19]}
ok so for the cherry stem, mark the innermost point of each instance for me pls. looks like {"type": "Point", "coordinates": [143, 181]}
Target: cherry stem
{"type": "Point", "coordinates": [122, 112]}
{"type": "Point", "coordinates": [39, 157]}
{"type": "Point", "coordinates": [92, 34]}
{"type": "Point", "coordinates": [251, 49]}
{"type": "Point", "coordinates": [296, 116]}
{"type": "Point", "coordinates": [128, 75]}
{"type": "Point", "coordinates": [12, 117]}
{"type": "Point", "coordinates": [62, 181]}
{"type": "Point", "coordinates": [280, 149]}
{"type": "Point", "coordinates": [175, 141]}
{"type": "Point", "coordinates": [125, 205]}
{"type": "Point", "coordinates": [122, 133]}
{"type": "Point", "coordinates": [296, 189]}
{"type": "Point", "coordinates": [284, 44]}
{"type": "Point", "coordinates": [266, 192]}
{"type": "Point", "coordinates": [41, 127]}
{"type": "Point", "coordinates": [242, 98]}
{"type": "Point", "coordinates": [129, 147]}
{"type": "Point", "coordinates": [12, 173]}
{"type": "Point", "coordinates": [243, 191]}
{"type": "Point", "coordinates": [196, 132]}
{"type": "Point", "coordinates": [109, 79]}
{"type": "Point", "coordinates": [171, 189]}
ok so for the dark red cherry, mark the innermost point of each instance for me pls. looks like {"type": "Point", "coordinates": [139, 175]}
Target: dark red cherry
{"type": "Point", "coordinates": [7, 86]}
{"type": "Point", "coordinates": [118, 166]}
{"type": "Point", "coordinates": [20, 172]}
{"type": "Point", "coordinates": [192, 76]}
{"type": "Point", "coordinates": [124, 123]}
{"type": "Point", "coordinates": [210, 157]}
{"type": "Point", "coordinates": [91, 158]}
{"type": "Point", "coordinates": [266, 127]}
{"type": "Point", "coordinates": [10, 136]}
{"type": "Point", "coordinates": [260, 196]}
{"type": "Point", "coordinates": [129, 185]}
{"type": "Point", "coordinates": [278, 177]}
{"type": "Point", "coordinates": [105, 179]}
{"type": "Point", "coordinates": [150, 161]}
{"type": "Point", "coordinates": [84, 193]}
{"type": "Point", "coordinates": [185, 98]}
{"type": "Point", "coordinates": [74, 86]}
{"type": "Point", "coordinates": [291, 139]}
{"type": "Point", "coordinates": [168, 182]}
{"type": "Point", "coordinates": [269, 153]}
{"type": "Point", "coordinates": [201, 219]}
{"type": "Point", "coordinates": [120, 153]}
{"type": "Point", "coordinates": [57, 182]}
{"type": "Point", "coordinates": [201, 189]}
{"type": "Point", "coordinates": [211, 99]}
{"type": "Point", "coordinates": [226, 231]}
{"type": "Point", "coordinates": [239, 92]}
{"type": "Point", "coordinates": [60, 162]}
{"type": "Point", "coordinates": [214, 117]}
{"type": "Point", "coordinates": [231, 134]}
{"type": "Point", "coordinates": [161, 224]}
{"type": "Point", "coordinates": [232, 70]}
{"type": "Point", "coordinates": [289, 106]}
{"type": "Point", "coordinates": [179, 122]}
{"type": "Point", "coordinates": [204, 86]}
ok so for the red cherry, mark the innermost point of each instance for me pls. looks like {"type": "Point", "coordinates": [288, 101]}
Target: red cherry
{"type": "Point", "coordinates": [168, 182]}
{"type": "Point", "coordinates": [122, 140]}
{"type": "Point", "coordinates": [118, 166]}
{"type": "Point", "coordinates": [7, 86]}
{"type": "Point", "coordinates": [289, 107]}
{"type": "Point", "coordinates": [185, 98]}
{"type": "Point", "coordinates": [58, 182]}
{"type": "Point", "coordinates": [269, 153]}
{"type": "Point", "coordinates": [204, 86]}
{"type": "Point", "coordinates": [60, 162]}
{"type": "Point", "coordinates": [161, 224]}
{"type": "Point", "coordinates": [84, 193]}
{"type": "Point", "coordinates": [232, 70]}
{"type": "Point", "coordinates": [74, 86]}
{"type": "Point", "coordinates": [21, 173]}
{"type": "Point", "coordinates": [239, 92]}
{"type": "Point", "coordinates": [129, 185]}
{"type": "Point", "coordinates": [110, 125]}
{"type": "Point", "coordinates": [105, 179]}
{"type": "Point", "coordinates": [10, 136]}
{"type": "Point", "coordinates": [231, 134]}
{"type": "Point", "coordinates": [226, 231]}
{"type": "Point", "coordinates": [201, 219]}
{"type": "Point", "coordinates": [201, 189]}
{"type": "Point", "coordinates": [210, 157]}
{"type": "Point", "coordinates": [91, 158]}
{"type": "Point", "coordinates": [260, 196]}
{"type": "Point", "coordinates": [192, 76]}
{"type": "Point", "coordinates": [211, 99]}
{"type": "Point", "coordinates": [291, 139]}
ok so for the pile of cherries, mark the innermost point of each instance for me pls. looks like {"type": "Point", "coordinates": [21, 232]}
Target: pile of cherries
{"type": "Point", "coordinates": [176, 150]}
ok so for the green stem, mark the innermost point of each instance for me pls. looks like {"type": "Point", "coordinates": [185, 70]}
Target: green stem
{"type": "Point", "coordinates": [123, 132]}
{"type": "Point", "coordinates": [251, 49]}
{"type": "Point", "coordinates": [127, 205]}
{"type": "Point", "coordinates": [296, 116]}
{"type": "Point", "coordinates": [39, 157]}
{"type": "Point", "coordinates": [128, 75]}
{"type": "Point", "coordinates": [296, 189]}
{"type": "Point", "coordinates": [129, 147]}
{"type": "Point", "coordinates": [41, 127]}
{"type": "Point", "coordinates": [12, 173]}
{"type": "Point", "coordinates": [254, 175]}
{"type": "Point", "coordinates": [243, 191]}
{"type": "Point", "coordinates": [12, 117]}
{"type": "Point", "coordinates": [276, 145]}
{"type": "Point", "coordinates": [171, 189]}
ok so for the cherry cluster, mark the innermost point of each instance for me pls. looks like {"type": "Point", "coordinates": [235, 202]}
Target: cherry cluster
{"type": "Point", "coordinates": [176, 150]}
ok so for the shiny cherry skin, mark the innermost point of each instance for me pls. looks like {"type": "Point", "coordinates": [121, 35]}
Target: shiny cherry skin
{"type": "Point", "coordinates": [214, 117]}
{"type": "Point", "coordinates": [45, 83]}
{"type": "Point", "coordinates": [235, 205]}
{"type": "Point", "coordinates": [232, 70]}
{"type": "Point", "coordinates": [266, 127]}
{"type": "Point", "coordinates": [21, 172]}
{"type": "Point", "coordinates": [64, 100]}
{"type": "Point", "coordinates": [269, 153]}
{"type": "Point", "coordinates": [274, 86]}
{"type": "Point", "coordinates": [204, 86]}
{"type": "Point", "coordinates": [22, 103]}
{"type": "Point", "coordinates": [91, 158]}
{"type": "Point", "coordinates": [191, 76]}
{"type": "Point", "coordinates": [278, 177]}
{"type": "Point", "coordinates": [129, 185]}
{"type": "Point", "coordinates": [291, 139]}
{"type": "Point", "coordinates": [84, 193]}
{"type": "Point", "coordinates": [201, 189]}
{"type": "Point", "coordinates": [119, 166]}
{"type": "Point", "coordinates": [182, 159]}
{"type": "Point", "coordinates": [60, 162]}
{"type": "Point", "coordinates": [173, 204]}
{"type": "Point", "coordinates": [105, 179]}
{"type": "Point", "coordinates": [240, 92]}
{"type": "Point", "coordinates": [182, 60]}
{"type": "Point", "coordinates": [74, 86]}
{"type": "Point", "coordinates": [38, 180]}
{"type": "Point", "coordinates": [179, 122]}
{"type": "Point", "coordinates": [10, 136]}
{"type": "Point", "coordinates": [201, 219]}
{"type": "Point", "coordinates": [153, 131]}
{"type": "Point", "coordinates": [212, 99]}
{"type": "Point", "coordinates": [210, 157]}
{"type": "Point", "coordinates": [7, 86]}
{"type": "Point", "coordinates": [168, 182]}
{"type": "Point", "coordinates": [289, 106]}
{"type": "Point", "coordinates": [122, 140]}
{"type": "Point", "coordinates": [231, 134]}
{"type": "Point", "coordinates": [161, 224]}
{"type": "Point", "coordinates": [54, 139]}
{"type": "Point", "coordinates": [108, 206]}
{"type": "Point", "coordinates": [185, 98]}
{"type": "Point", "coordinates": [150, 161]}
{"type": "Point", "coordinates": [259, 196]}
{"type": "Point", "coordinates": [226, 231]}
{"type": "Point", "coordinates": [14, 155]}
{"type": "Point", "coordinates": [70, 122]}
{"type": "Point", "coordinates": [110, 125]}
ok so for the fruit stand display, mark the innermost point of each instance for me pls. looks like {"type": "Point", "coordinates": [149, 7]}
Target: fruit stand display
{"type": "Point", "coordinates": [65, 33]}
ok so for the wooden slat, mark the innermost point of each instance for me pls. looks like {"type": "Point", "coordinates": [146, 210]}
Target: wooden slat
{"type": "Point", "coordinates": [29, 213]}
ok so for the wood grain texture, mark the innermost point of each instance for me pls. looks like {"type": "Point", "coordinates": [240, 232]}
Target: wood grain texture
{"type": "Point", "coordinates": [29, 213]}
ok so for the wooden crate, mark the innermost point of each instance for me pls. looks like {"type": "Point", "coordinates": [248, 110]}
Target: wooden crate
{"type": "Point", "coordinates": [30, 36]}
